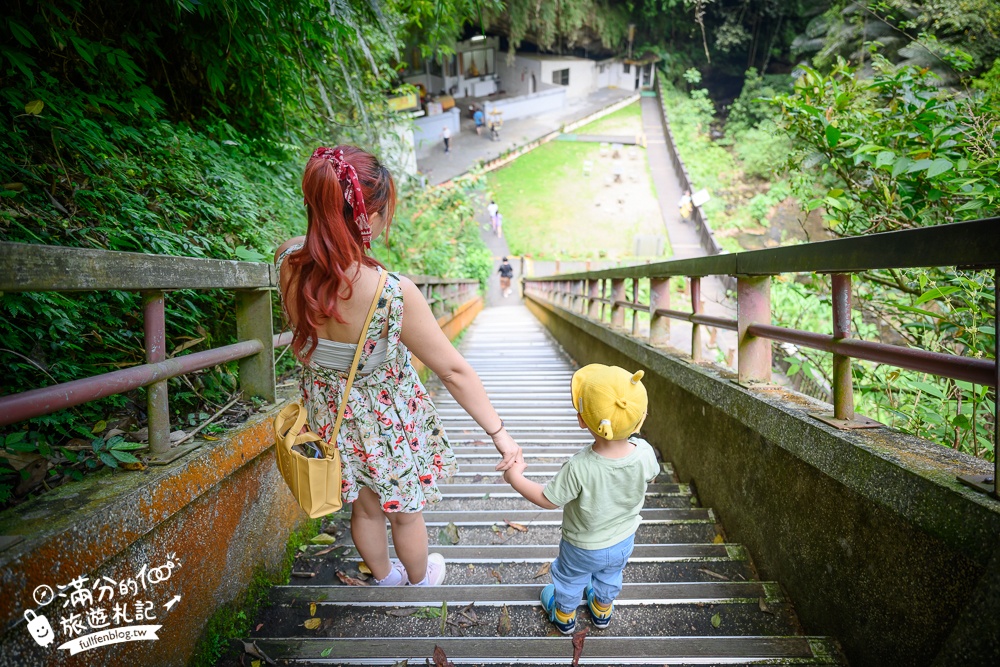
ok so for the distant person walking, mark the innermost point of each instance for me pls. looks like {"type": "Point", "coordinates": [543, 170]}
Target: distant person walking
{"type": "Point", "coordinates": [480, 118]}
{"type": "Point", "coordinates": [498, 227]}
{"type": "Point", "coordinates": [506, 272]}
{"type": "Point", "coordinates": [446, 135]}
{"type": "Point", "coordinates": [493, 210]}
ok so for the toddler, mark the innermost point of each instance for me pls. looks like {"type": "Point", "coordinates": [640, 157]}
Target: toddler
{"type": "Point", "coordinates": [601, 490]}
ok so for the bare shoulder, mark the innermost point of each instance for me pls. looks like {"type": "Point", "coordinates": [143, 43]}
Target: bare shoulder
{"type": "Point", "coordinates": [409, 288]}
{"type": "Point", "coordinates": [298, 240]}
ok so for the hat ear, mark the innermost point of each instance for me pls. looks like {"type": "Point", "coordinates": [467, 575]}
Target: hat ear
{"type": "Point", "coordinates": [637, 376]}
{"type": "Point", "coordinates": [604, 430]}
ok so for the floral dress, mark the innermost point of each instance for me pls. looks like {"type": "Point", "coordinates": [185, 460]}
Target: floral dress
{"type": "Point", "coordinates": [391, 440]}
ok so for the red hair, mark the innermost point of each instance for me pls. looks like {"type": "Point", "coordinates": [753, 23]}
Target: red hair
{"type": "Point", "coordinates": [333, 241]}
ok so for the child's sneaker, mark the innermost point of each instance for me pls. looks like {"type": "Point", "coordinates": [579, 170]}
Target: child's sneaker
{"type": "Point", "coordinates": [396, 576]}
{"type": "Point", "coordinates": [435, 571]}
{"type": "Point", "coordinates": [600, 618]}
{"type": "Point", "coordinates": [565, 624]}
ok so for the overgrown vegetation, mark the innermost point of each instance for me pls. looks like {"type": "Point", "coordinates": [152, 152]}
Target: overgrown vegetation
{"type": "Point", "coordinates": [178, 128]}
{"type": "Point", "coordinates": [874, 145]}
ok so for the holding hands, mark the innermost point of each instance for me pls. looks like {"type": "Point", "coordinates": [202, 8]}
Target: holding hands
{"type": "Point", "coordinates": [509, 450]}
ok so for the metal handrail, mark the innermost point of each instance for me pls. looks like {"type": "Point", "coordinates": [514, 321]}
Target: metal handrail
{"type": "Point", "coordinates": [37, 268]}
{"type": "Point", "coordinates": [966, 244]}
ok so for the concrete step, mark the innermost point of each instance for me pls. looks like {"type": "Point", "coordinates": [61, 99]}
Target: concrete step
{"type": "Point", "coordinates": [513, 501]}
{"type": "Point", "coordinates": [543, 517]}
{"type": "Point", "coordinates": [667, 609]}
{"type": "Point", "coordinates": [545, 651]}
{"type": "Point", "coordinates": [504, 490]}
{"type": "Point", "coordinates": [498, 533]}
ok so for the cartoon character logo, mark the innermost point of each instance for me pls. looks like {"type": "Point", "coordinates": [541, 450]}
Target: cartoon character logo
{"type": "Point", "coordinates": [39, 628]}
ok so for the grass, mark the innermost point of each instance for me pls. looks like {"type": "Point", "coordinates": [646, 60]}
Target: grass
{"type": "Point", "coordinates": [625, 121]}
{"type": "Point", "coordinates": [552, 210]}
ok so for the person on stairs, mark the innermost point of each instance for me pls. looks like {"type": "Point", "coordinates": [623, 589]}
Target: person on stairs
{"type": "Point", "coordinates": [506, 272]}
{"type": "Point", "coordinates": [392, 444]}
{"type": "Point", "coordinates": [601, 490]}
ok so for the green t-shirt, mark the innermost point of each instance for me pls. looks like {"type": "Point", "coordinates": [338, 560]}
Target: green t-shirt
{"type": "Point", "coordinates": [601, 497]}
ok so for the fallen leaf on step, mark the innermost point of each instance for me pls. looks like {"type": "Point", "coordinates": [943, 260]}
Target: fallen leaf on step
{"type": "Point", "coordinates": [326, 652]}
{"type": "Point", "coordinates": [763, 606]}
{"type": "Point", "coordinates": [312, 623]}
{"type": "Point", "coordinates": [503, 627]}
{"type": "Point", "coordinates": [304, 575]}
{"type": "Point", "coordinates": [476, 479]}
{"type": "Point", "coordinates": [252, 649]}
{"type": "Point", "coordinates": [401, 663]}
{"type": "Point", "coordinates": [496, 575]}
{"type": "Point", "coordinates": [578, 639]}
{"type": "Point", "coordinates": [405, 611]}
{"type": "Point", "coordinates": [714, 575]}
{"type": "Point", "coordinates": [486, 496]}
{"type": "Point", "coordinates": [259, 626]}
{"type": "Point", "coordinates": [350, 581]}
{"type": "Point", "coordinates": [444, 617]}
{"type": "Point", "coordinates": [448, 534]}
{"type": "Point", "coordinates": [716, 620]}
{"type": "Point", "coordinates": [312, 608]}
{"type": "Point", "coordinates": [323, 538]}
{"type": "Point", "coordinates": [542, 571]}
{"type": "Point", "coordinates": [440, 659]}
{"type": "Point", "coordinates": [516, 526]}
{"type": "Point", "coordinates": [363, 568]}
{"type": "Point", "coordinates": [719, 539]}
{"type": "Point", "coordinates": [324, 552]}
{"type": "Point", "coordinates": [495, 528]}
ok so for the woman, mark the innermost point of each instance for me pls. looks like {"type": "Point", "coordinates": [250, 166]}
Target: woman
{"type": "Point", "coordinates": [392, 444]}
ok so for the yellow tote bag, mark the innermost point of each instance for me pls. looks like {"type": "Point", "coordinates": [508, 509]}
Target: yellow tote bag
{"type": "Point", "coordinates": [315, 482]}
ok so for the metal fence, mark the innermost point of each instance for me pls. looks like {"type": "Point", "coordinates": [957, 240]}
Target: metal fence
{"type": "Point", "coordinates": [40, 268]}
{"type": "Point", "coordinates": [601, 295]}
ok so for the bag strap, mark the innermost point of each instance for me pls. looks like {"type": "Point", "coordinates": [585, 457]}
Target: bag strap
{"type": "Point", "coordinates": [354, 364]}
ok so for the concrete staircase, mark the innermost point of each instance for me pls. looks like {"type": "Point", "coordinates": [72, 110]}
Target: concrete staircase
{"type": "Point", "coordinates": [689, 598]}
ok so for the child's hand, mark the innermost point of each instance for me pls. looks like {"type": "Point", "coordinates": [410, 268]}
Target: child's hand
{"type": "Point", "coordinates": [516, 469]}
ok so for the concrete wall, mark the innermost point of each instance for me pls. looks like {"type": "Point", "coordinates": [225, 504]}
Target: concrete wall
{"type": "Point", "coordinates": [551, 98]}
{"type": "Point", "coordinates": [582, 74]}
{"type": "Point", "coordinates": [869, 532]}
{"type": "Point", "coordinates": [224, 511]}
{"type": "Point", "coordinates": [515, 78]}
{"type": "Point", "coordinates": [427, 130]}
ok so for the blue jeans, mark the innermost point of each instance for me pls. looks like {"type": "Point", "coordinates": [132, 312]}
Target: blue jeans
{"type": "Point", "coordinates": [576, 568]}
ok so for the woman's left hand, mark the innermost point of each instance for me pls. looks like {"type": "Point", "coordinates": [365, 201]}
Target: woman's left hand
{"type": "Point", "coordinates": [509, 450]}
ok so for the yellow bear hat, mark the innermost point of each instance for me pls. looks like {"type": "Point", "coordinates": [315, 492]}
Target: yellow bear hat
{"type": "Point", "coordinates": [611, 400]}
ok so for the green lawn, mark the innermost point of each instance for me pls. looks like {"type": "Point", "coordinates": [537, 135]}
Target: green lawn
{"type": "Point", "coordinates": [552, 210]}
{"type": "Point", "coordinates": [626, 121]}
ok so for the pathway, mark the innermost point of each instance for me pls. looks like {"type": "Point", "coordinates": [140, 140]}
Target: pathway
{"type": "Point", "coordinates": [468, 149]}
{"type": "Point", "coordinates": [689, 597]}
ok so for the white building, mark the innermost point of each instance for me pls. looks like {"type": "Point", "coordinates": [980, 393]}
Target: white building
{"type": "Point", "coordinates": [470, 72]}
{"type": "Point", "coordinates": [534, 72]}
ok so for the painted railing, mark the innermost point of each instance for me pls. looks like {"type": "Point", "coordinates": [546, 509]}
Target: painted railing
{"type": "Point", "coordinates": [40, 268]}
{"type": "Point", "coordinates": [601, 295]}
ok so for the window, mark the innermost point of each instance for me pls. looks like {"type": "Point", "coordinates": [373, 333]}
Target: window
{"type": "Point", "coordinates": [560, 77]}
{"type": "Point", "coordinates": [601, 69]}
{"type": "Point", "coordinates": [627, 68]}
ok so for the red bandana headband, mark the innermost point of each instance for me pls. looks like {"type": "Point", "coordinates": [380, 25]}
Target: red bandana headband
{"type": "Point", "coordinates": [352, 194]}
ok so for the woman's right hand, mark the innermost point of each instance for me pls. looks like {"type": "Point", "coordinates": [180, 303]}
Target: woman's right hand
{"type": "Point", "coordinates": [509, 450]}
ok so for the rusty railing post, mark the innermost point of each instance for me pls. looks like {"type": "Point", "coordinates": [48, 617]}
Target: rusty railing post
{"type": "Point", "coordinates": [594, 293]}
{"type": "Point", "coordinates": [696, 329]}
{"type": "Point", "coordinates": [753, 306]}
{"type": "Point", "coordinates": [659, 298]}
{"type": "Point", "coordinates": [843, 384]}
{"type": "Point", "coordinates": [635, 311]}
{"type": "Point", "coordinates": [157, 403]}
{"type": "Point", "coordinates": [253, 322]}
{"type": "Point", "coordinates": [617, 294]}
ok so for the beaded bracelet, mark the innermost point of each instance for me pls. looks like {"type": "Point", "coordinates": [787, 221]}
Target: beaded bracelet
{"type": "Point", "coordinates": [496, 431]}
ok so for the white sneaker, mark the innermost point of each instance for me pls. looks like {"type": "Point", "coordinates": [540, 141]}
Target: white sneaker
{"type": "Point", "coordinates": [396, 577]}
{"type": "Point", "coordinates": [435, 571]}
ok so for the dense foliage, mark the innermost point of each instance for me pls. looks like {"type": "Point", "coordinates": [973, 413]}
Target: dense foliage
{"type": "Point", "coordinates": [178, 128]}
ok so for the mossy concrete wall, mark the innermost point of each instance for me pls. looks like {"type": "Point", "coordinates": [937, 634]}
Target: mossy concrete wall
{"type": "Point", "coordinates": [223, 511]}
{"type": "Point", "coordinates": [869, 532]}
